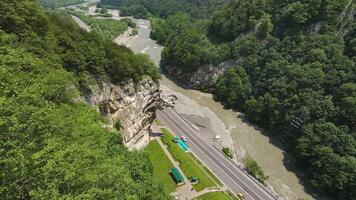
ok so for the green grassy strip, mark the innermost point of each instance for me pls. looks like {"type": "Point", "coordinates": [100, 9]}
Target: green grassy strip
{"type": "Point", "coordinates": [187, 164]}
{"type": "Point", "coordinates": [161, 166]}
{"type": "Point", "coordinates": [207, 170]}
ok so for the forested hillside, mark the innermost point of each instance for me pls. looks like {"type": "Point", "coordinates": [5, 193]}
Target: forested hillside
{"type": "Point", "coordinates": [295, 73]}
{"type": "Point", "coordinates": [52, 146]}
{"type": "Point", "coordinates": [59, 3]}
{"type": "Point", "coordinates": [140, 8]}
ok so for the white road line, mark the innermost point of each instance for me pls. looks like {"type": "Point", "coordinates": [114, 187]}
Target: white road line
{"type": "Point", "coordinates": [197, 148]}
{"type": "Point", "coordinates": [226, 165]}
{"type": "Point", "coordinates": [222, 163]}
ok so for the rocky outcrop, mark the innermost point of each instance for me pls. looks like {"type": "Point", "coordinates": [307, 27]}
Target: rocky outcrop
{"type": "Point", "coordinates": [130, 107]}
{"type": "Point", "coordinates": [204, 77]}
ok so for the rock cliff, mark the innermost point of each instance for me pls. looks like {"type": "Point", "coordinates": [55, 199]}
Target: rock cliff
{"type": "Point", "coordinates": [204, 77]}
{"type": "Point", "coordinates": [130, 107]}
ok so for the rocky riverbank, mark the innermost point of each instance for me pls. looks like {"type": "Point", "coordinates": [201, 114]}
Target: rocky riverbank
{"type": "Point", "coordinates": [204, 78]}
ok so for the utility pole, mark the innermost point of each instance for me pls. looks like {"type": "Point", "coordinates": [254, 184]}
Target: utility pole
{"type": "Point", "coordinates": [288, 133]}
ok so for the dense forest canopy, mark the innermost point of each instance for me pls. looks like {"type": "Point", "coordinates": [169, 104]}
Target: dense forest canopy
{"type": "Point", "coordinates": [139, 8]}
{"type": "Point", "coordinates": [52, 146]}
{"type": "Point", "coordinates": [59, 3]}
{"type": "Point", "coordinates": [295, 72]}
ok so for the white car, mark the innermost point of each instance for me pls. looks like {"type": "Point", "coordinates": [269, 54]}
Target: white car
{"type": "Point", "coordinates": [217, 137]}
{"type": "Point", "coordinates": [183, 138]}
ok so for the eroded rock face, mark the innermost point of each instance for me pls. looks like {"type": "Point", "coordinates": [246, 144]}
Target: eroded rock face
{"type": "Point", "coordinates": [204, 77]}
{"type": "Point", "coordinates": [131, 106]}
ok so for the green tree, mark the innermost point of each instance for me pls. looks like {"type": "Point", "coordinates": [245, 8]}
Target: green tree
{"type": "Point", "coordinates": [264, 27]}
{"type": "Point", "coordinates": [234, 87]}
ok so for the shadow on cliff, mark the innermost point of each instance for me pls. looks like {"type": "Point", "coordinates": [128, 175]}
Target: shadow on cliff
{"type": "Point", "coordinates": [175, 80]}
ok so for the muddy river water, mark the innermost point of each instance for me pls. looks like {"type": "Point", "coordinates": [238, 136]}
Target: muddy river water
{"type": "Point", "coordinates": [284, 176]}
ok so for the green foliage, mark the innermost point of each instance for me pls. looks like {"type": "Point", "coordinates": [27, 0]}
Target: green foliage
{"type": "Point", "coordinates": [59, 3]}
{"type": "Point", "coordinates": [137, 11]}
{"type": "Point", "coordinates": [187, 47]}
{"type": "Point", "coordinates": [52, 146]}
{"type": "Point", "coordinates": [254, 169]}
{"type": "Point", "coordinates": [166, 8]}
{"type": "Point", "coordinates": [234, 88]}
{"type": "Point", "coordinates": [161, 166]}
{"type": "Point", "coordinates": [187, 163]}
{"type": "Point", "coordinates": [264, 27]}
{"type": "Point", "coordinates": [227, 24]}
{"type": "Point", "coordinates": [129, 22]}
{"type": "Point", "coordinates": [298, 61]}
{"type": "Point", "coordinates": [227, 152]}
{"type": "Point", "coordinates": [108, 29]}
{"type": "Point", "coordinates": [213, 196]}
{"type": "Point", "coordinates": [134, 32]}
{"type": "Point", "coordinates": [103, 11]}
{"type": "Point", "coordinates": [332, 151]}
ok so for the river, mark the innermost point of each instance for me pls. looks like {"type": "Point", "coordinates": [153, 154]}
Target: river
{"type": "Point", "coordinates": [285, 178]}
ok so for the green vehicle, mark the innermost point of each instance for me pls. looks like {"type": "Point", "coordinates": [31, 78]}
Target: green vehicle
{"type": "Point", "coordinates": [177, 176]}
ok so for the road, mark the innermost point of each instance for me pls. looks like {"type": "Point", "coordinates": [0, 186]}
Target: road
{"type": "Point", "coordinates": [231, 175]}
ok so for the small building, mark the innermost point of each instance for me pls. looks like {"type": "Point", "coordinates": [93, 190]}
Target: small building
{"type": "Point", "coordinates": [177, 176]}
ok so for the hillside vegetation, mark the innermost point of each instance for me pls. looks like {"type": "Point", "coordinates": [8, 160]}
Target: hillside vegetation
{"type": "Point", "coordinates": [295, 72]}
{"type": "Point", "coordinates": [59, 3]}
{"type": "Point", "coordinates": [52, 146]}
{"type": "Point", "coordinates": [107, 29]}
{"type": "Point", "coordinates": [160, 8]}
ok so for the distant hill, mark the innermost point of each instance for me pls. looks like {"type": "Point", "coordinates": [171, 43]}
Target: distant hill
{"type": "Point", "coordinates": [59, 3]}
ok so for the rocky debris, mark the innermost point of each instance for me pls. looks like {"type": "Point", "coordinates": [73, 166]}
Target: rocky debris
{"type": "Point", "coordinates": [167, 99]}
{"type": "Point", "coordinates": [204, 77]}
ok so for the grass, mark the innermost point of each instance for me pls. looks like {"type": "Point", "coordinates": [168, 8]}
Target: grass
{"type": "Point", "coordinates": [157, 122]}
{"type": "Point", "coordinates": [232, 195]}
{"type": "Point", "coordinates": [207, 170]}
{"type": "Point", "coordinates": [161, 166]}
{"type": "Point", "coordinates": [214, 196]}
{"type": "Point", "coordinates": [187, 164]}
{"type": "Point", "coordinates": [106, 28]}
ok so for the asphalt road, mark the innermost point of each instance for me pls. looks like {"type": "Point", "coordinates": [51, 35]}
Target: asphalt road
{"type": "Point", "coordinates": [232, 176]}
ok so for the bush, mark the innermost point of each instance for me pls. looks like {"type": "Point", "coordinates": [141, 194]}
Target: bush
{"type": "Point", "coordinates": [227, 151]}
{"type": "Point", "coordinates": [134, 32]}
{"type": "Point", "coordinates": [252, 167]}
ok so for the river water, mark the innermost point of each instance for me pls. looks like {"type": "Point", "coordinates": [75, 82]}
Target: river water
{"type": "Point", "coordinates": [284, 176]}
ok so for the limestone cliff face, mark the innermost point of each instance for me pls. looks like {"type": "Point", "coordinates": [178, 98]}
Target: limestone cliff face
{"type": "Point", "coordinates": [131, 106]}
{"type": "Point", "coordinates": [204, 77]}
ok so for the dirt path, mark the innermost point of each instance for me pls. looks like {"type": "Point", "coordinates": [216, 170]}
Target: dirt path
{"type": "Point", "coordinates": [81, 23]}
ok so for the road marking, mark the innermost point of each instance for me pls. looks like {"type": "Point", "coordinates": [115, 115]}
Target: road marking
{"type": "Point", "coordinates": [197, 148]}
{"type": "Point", "coordinates": [213, 157]}
{"type": "Point", "coordinates": [228, 165]}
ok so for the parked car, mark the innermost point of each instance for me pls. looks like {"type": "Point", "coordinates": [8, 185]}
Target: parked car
{"type": "Point", "coordinates": [183, 138]}
{"type": "Point", "coordinates": [240, 196]}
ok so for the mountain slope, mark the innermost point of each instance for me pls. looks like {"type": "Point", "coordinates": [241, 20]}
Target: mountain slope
{"type": "Point", "coordinates": [53, 146]}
